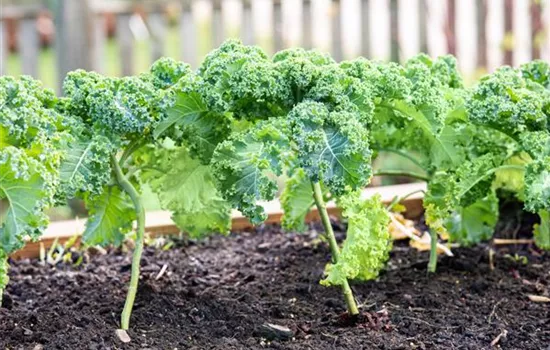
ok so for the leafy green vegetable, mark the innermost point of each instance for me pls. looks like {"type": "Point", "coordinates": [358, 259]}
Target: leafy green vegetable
{"type": "Point", "coordinates": [111, 217]}
{"type": "Point", "coordinates": [474, 223]}
{"type": "Point", "coordinates": [33, 136]}
{"type": "Point", "coordinates": [296, 201]}
{"type": "Point", "coordinates": [366, 247]}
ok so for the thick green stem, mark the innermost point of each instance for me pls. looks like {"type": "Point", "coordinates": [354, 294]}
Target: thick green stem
{"type": "Point", "coordinates": [432, 264]}
{"type": "Point", "coordinates": [3, 273]}
{"type": "Point", "coordinates": [138, 249]}
{"type": "Point", "coordinates": [411, 174]}
{"type": "Point", "coordinates": [335, 251]}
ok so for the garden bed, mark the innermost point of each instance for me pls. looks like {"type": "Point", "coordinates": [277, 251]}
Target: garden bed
{"type": "Point", "coordinates": [220, 292]}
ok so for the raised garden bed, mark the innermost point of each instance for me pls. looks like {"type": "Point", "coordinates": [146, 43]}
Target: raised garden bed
{"type": "Point", "coordinates": [218, 294]}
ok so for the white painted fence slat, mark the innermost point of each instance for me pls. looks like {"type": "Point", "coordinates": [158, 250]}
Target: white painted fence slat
{"type": "Point", "coordinates": [188, 34]}
{"type": "Point", "coordinates": [277, 25]}
{"type": "Point", "coordinates": [365, 28]}
{"type": "Point", "coordinates": [306, 24]}
{"type": "Point", "coordinates": [98, 43]}
{"type": "Point", "coordinates": [394, 31]}
{"type": "Point", "coordinates": [423, 26]}
{"type": "Point", "coordinates": [247, 30]}
{"type": "Point", "coordinates": [335, 14]}
{"type": "Point", "coordinates": [157, 27]}
{"type": "Point", "coordinates": [125, 41]}
{"type": "Point", "coordinates": [28, 46]}
{"type": "Point", "coordinates": [218, 32]}
{"type": "Point", "coordinates": [3, 49]}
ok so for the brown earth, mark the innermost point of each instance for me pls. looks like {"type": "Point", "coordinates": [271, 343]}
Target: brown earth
{"type": "Point", "coordinates": [218, 293]}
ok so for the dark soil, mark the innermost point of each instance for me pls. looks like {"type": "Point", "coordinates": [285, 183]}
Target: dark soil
{"type": "Point", "coordinates": [217, 294]}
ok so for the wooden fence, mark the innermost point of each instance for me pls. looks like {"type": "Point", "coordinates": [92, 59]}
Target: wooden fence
{"type": "Point", "coordinates": [482, 33]}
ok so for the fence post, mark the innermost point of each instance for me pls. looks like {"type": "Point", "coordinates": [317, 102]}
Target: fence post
{"type": "Point", "coordinates": [336, 30]}
{"type": "Point", "coordinates": [188, 34]}
{"type": "Point", "coordinates": [307, 41]}
{"type": "Point", "coordinates": [481, 15]}
{"type": "Point", "coordinates": [98, 33]}
{"type": "Point", "coordinates": [423, 26]}
{"type": "Point", "coordinates": [73, 37]}
{"type": "Point", "coordinates": [218, 33]}
{"type": "Point", "coordinates": [157, 26]}
{"type": "Point", "coordinates": [450, 28]}
{"type": "Point", "coordinates": [125, 40]}
{"type": "Point", "coordinates": [508, 44]}
{"type": "Point", "coordinates": [28, 44]}
{"type": "Point", "coordinates": [247, 29]}
{"type": "Point", "coordinates": [365, 29]}
{"type": "Point", "coordinates": [277, 26]}
{"type": "Point", "coordinates": [394, 31]}
{"type": "Point", "coordinates": [3, 48]}
{"type": "Point", "coordinates": [537, 29]}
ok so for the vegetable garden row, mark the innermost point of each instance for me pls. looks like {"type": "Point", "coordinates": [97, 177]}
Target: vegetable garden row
{"type": "Point", "coordinates": [219, 138]}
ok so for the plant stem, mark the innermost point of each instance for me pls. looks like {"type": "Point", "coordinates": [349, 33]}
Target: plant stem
{"type": "Point", "coordinates": [412, 174]}
{"type": "Point", "coordinates": [335, 251]}
{"type": "Point", "coordinates": [134, 145]}
{"type": "Point", "coordinates": [432, 264]}
{"type": "Point", "coordinates": [3, 274]}
{"type": "Point", "coordinates": [138, 249]}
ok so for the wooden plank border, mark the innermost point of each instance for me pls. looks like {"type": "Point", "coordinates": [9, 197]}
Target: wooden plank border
{"type": "Point", "coordinates": [159, 222]}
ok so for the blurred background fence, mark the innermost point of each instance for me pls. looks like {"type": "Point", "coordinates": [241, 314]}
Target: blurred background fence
{"type": "Point", "coordinates": [48, 38]}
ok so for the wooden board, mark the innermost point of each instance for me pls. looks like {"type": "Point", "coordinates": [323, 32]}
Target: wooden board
{"type": "Point", "coordinates": [159, 222]}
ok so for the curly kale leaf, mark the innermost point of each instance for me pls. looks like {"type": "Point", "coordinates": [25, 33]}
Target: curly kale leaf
{"type": "Point", "coordinates": [537, 71]}
{"type": "Point", "coordinates": [449, 191]}
{"type": "Point", "coordinates": [536, 143]}
{"type": "Point", "coordinates": [333, 147]}
{"type": "Point", "coordinates": [199, 128]}
{"type": "Point", "coordinates": [216, 218]}
{"type": "Point", "coordinates": [296, 200]}
{"type": "Point", "coordinates": [537, 185]}
{"type": "Point", "coordinates": [244, 166]}
{"type": "Point", "coordinates": [415, 106]}
{"type": "Point", "coordinates": [367, 244]}
{"type": "Point", "coordinates": [123, 108]}
{"type": "Point", "coordinates": [111, 217]}
{"type": "Point", "coordinates": [474, 223]}
{"type": "Point", "coordinates": [29, 120]}
{"type": "Point", "coordinates": [24, 185]}
{"type": "Point", "coordinates": [187, 188]}
{"type": "Point", "coordinates": [240, 79]}
{"type": "Point", "coordinates": [166, 72]}
{"type": "Point", "coordinates": [507, 102]}
{"type": "Point", "coordinates": [86, 167]}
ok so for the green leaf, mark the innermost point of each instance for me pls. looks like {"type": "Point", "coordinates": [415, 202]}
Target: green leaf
{"type": "Point", "coordinates": [296, 200]}
{"type": "Point", "coordinates": [214, 218]}
{"type": "Point", "coordinates": [333, 147]}
{"type": "Point", "coordinates": [23, 185]}
{"type": "Point", "coordinates": [442, 140]}
{"type": "Point", "coordinates": [86, 165]}
{"type": "Point", "coordinates": [537, 185]}
{"type": "Point", "coordinates": [4, 267]}
{"type": "Point", "coordinates": [542, 230]}
{"type": "Point", "coordinates": [245, 165]}
{"type": "Point", "coordinates": [512, 179]}
{"type": "Point", "coordinates": [474, 223]}
{"type": "Point", "coordinates": [111, 217]}
{"type": "Point", "coordinates": [200, 129]}
{"type": "Point", "coordinates": [186, 187]}
{"type": "Point", "coordinates": [367, 245]}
